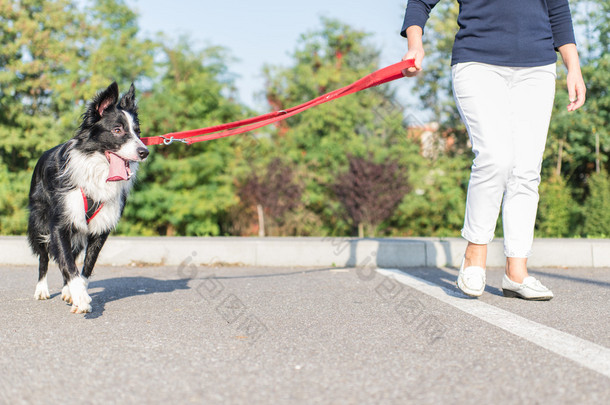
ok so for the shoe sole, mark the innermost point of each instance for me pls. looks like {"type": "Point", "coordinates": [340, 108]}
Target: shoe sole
{"type": "Point", "coordinates": [514, 294]}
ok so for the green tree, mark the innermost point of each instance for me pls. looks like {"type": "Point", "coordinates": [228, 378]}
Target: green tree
{"type": "Point", "coordinates": [594, 17]}
{"type": "Point", "coordinates": [54, 56]}
{"type": "Point", "coordinates": [319, 140]}
{"type": "Point", "coordinates": [38, 42]}
{"type": "Point", "coordinates": [555, 209]}
{"type": "Point", "coordinates": [370, 192]}
{"type": "Point", "coordinates": [186, 190]}
{"type": "Point", "coordinates": [436, 205]}
{"type": "Point", "coordinates": [270, 196]}
{"type": "Point", "coordinates": [597, 206]}
{"type": "Point", "coordinates": [571, 144]}
{"type": "Point", "coordinates": [109, 50]}
{"type": "Point", "coordinates": [50, 64]}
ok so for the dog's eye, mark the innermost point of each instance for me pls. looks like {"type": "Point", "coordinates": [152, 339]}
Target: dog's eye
{"type": "Point", "coordinates": [117, 131]}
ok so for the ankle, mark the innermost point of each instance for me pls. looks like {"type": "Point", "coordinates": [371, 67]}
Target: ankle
{"type": "Point", "coordinates": [517, 277]}
{"type": "Point", "coordinates": [516, 269]}
{"type": "Point", "coordinates": [476, 255]}
{"type": "Point", "coordinates": [468, 262]}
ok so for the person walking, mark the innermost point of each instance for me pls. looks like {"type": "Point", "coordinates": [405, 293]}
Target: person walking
{"type": "Point", "coordinates": [503, 70]}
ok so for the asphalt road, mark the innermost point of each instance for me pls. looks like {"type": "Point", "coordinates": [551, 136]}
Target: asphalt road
{"type": "Point", "coordinates": [238, 335]}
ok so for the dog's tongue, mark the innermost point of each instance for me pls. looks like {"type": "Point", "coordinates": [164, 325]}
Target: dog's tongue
{"type": "Point", "coordinates": [119, 169]}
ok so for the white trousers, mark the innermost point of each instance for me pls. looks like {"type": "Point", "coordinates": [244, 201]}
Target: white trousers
{"type": "Point", "coordinates": [506, 111]}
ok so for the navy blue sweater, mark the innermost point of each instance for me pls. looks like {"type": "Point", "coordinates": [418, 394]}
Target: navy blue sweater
{"type": "Point", "coordinates": [503, 32]}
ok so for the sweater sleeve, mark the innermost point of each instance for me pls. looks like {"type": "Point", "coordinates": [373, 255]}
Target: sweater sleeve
{"type": "Point", "coordinates": [561, 22]}
{"type": "Point", "coordinates": [417, 13]}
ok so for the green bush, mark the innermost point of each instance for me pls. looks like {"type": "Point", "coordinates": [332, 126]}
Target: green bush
{"type": "Point", "coordinates": [597, 206]}
{"type": "Point", "coordinates": [555, 208]}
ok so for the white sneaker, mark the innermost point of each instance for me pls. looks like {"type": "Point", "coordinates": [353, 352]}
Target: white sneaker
{"type": "Point", "coordinates": [471, 280]}
{"type": "Point", "coordinates": [530, 289]}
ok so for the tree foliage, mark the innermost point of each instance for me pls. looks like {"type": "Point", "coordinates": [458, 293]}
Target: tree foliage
{"type": "Point", "coordinates": [318, 173]}
{"type": "Point", "coordinates": [555, 209]}
{"type": "Point", "coordinates": [575, 133]}
{"type": "Point", "coordinates": [275, 190]}
{"type": "Point", "coordinates": [370, 192]}
{"type": "Point", "coordinates": [38, 50]}
{"type": "Point", "coordinates": [184, 190]}
{"type": "Point", "coordinates": [436, 204]}
{"type": "Point", "coordinates": [319, 141]}
{"type": "Point", "coordinates": [597, 218]}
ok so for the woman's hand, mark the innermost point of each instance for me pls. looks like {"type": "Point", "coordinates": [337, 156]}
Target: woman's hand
{"type": "Point", "coordinates": [416, 50]}
{"type": "Point", "coordinates": [577, 89]}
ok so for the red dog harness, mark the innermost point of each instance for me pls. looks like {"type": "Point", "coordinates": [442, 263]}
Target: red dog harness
{"type": "Point", "coordinates": [91, 207]}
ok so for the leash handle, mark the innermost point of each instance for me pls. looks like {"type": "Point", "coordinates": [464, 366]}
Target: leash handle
{"type": "Point", "coordinates": [376, 78]}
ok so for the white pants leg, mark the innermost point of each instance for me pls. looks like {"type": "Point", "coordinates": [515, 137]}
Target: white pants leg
{"type": "Point", "coordinates": [506, 111]}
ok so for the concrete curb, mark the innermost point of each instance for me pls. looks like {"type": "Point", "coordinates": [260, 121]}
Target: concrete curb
{"type": "Point", "coordinates": [339, 252]}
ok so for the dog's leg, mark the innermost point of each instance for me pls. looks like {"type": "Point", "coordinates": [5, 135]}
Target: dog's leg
{"type": "Point", "coordinates": [76, 250]}
{"type": "Point", "coordinates": [65, 292]}
{"type": "Point", "coordinates": [61, 249]}
{"type": "Point", "coordinates": [42, 288]}
{"type": "Point", "coordinates": [94, 246]}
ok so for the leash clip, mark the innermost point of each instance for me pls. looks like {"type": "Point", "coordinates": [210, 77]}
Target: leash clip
{"type": "Point", "coordinates": [169, 141]}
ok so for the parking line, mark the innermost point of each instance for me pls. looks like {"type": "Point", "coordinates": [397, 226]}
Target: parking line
{"type": "Point", "coordinates": [583, 352]}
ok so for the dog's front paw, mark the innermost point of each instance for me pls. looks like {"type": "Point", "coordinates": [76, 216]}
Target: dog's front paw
{"type": "Point", "coordinates": [82, 309]}
{"type": "Point", "coordinates": [80, 298]}
{"type": "Point", "coordinates": [65, 294]}
{"type": "Point", "coordinates": [42, 291]}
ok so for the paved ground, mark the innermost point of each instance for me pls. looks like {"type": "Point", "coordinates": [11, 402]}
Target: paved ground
{"type": "Point", "coordinates": [236, 335]}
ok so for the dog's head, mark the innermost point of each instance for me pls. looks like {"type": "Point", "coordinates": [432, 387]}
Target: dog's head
{"type": "Point", "coordinates": [110, 126]}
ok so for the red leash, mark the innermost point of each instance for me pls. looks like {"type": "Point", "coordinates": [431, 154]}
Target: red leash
{"type": "Point", "coordinates": [376, 78]}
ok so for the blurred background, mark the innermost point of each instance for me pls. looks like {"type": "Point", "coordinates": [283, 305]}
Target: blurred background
{"type": "Point", "coordinates": [389, 161]}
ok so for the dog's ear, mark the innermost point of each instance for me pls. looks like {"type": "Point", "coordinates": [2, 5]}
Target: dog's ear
{"type": "Point", "coordinates": [128, 101]}
{"type": "Point", "coordinates": [105, 99]}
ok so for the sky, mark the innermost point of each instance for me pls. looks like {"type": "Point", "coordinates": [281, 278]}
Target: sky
{"type": "Point", "coordinates": [266, 31]}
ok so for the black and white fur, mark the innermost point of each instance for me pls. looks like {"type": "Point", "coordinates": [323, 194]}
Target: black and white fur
{"type": "Point", "coordinates": [57, 224]}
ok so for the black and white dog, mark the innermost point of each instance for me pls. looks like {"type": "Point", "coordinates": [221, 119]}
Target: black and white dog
{"type": "Point", "coordinates": [79, 189]}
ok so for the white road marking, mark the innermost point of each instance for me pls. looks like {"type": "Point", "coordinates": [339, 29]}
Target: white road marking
{"type": "Point", "coordinates": [583, 352]}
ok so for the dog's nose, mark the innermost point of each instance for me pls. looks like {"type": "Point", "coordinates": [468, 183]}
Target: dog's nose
{"type": "Point", "coordinates": [143, 153]}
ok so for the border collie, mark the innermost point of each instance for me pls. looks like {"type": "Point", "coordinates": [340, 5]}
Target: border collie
{"type": "Point", "coordinates": [79, 189]}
